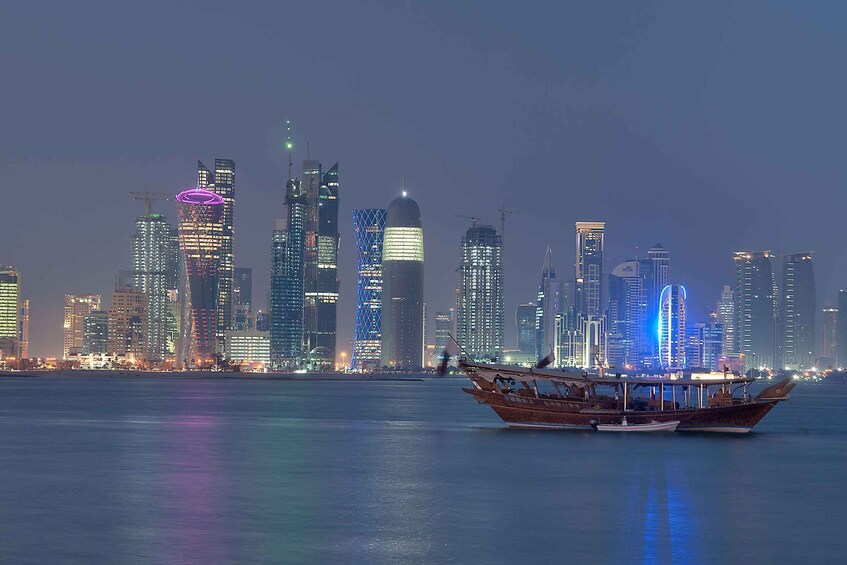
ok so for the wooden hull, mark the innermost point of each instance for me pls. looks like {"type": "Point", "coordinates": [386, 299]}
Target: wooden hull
{"type": "Point", "coordinates": [543, 413]}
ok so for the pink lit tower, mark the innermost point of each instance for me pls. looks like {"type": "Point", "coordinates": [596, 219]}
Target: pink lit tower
{"type": "Point", "coordinates": [200, 235]}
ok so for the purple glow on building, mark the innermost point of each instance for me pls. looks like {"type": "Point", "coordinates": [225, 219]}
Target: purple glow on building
{"type": "Point", "coordinates": [199, 196]}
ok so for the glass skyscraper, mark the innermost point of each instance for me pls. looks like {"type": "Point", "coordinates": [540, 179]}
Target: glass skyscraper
{"type": "Point", "coordinates": [200, 214]}
{"type": "Point", "coordinates": [626, 315]}
{"type": "Point", "coordinates": [369, 229]}
{"type": "Point", "coordinates": [672, 326]}
{"type": "Point", "coordinates": [402, 290]}
{"type": "Point", "coordinates": [77, 306]}
{"type": "Point", "coordinates": [222, 183]}
{"type": "Point", "coordinates": [798, 311]}
{"type": "Point", "coordinates": [525, 321]}
{"type": "Point", "coordinates": [151, 259]}
{"type": "Point", "coordinates": [755, 308]}
{"type": "Point", "coordinates": [479, 313]}
{"type": "Point", "coordinates": [9, 296]}
{"type": "Point", "coordinates": [589, 268]}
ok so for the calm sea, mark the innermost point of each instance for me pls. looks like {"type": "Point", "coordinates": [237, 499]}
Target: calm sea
{"type": "Point", "coordinates": [175, 470]}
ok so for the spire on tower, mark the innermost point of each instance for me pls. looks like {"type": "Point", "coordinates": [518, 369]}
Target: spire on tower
{"type": "Point", "coordinates": [289, 145]}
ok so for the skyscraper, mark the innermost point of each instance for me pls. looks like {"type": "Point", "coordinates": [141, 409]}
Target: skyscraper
{"type": "Point", "coordinates": [755, 308]}
{"type": "Point", "coordinates": [321, 252]}
{"type": "Point", "coordinates": [550, 301]}
{"type": "Point", "coordinates": [151, 257]}
{"type": "Point", "coordinates": [726, 318]}
{"type": "Point", "coordinates": [95, 329]}
{"type": "Point", "coordinates": [127, 322]}
{"type": "Point", "coordinates": [444, 327]}
{"type": "Point", "coordinates": [287, 304]}
{"type": "Point", "coordinates": [799, 303]}
{"type": "Point", "coordinates": [841, 330]}
{"type": "Point", "coordinates": [829, 343]}
{"type": "Point", "coordinates": [672, 326]}
{"type": "Point", "coordinates": [525, 320]}
{"type": "Point", "coordinates": [589, 268]}
{"type": "Point", "coordinates": [402, 287]}
{"type": "Point", "coordinates": [200, 213]}
{"type": "Point", "coordinates": [222, 183]}
{"type": "Point", "coordinates": [23, 330]}
{"type": "Point", "coordinates": [626, 315]}
{"type": "Point", "coordinates": [369, 229]}
{"type": "Point", "coordinates": [242, 298]}
{"type": "Point", "coordinates": [9, 297]}
{"type": "Point", "coordinates": [479, 312]}
{"type": "Point", "coordinates": [77, 306]}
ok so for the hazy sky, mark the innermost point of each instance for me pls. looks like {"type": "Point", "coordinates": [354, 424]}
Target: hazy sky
{"type": "Point", "coordinates": [707, 126]}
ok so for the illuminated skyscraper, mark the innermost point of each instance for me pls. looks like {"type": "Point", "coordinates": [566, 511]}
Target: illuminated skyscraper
{"type": "Point", "coordinates": [654, 277]}
{"type": "Point", "coordinates": [9, 297]}
{"type": "Point", "coordinates": [479, 313]}
{"type": "Point", "coordinates": [151, 257]}
{"type": "Point", "coordinates": [95, 333]}
{"type": "Point", "coordinates": [369, 229]}
{"type": "Point", "coordinates": [726, 318]}
{"type": "Point", "coordinates": [525, 320]}
{"type": "Point", "coordinates": [589, 268]}
{"type": "Point", "coordinates": [444, 328]}
{"type": "Point", "coordinates": [23, 330]}
{"type": "Point", "coordinates": [242, 299]}
{"type": "Point", "coordinates": [550, 301]}
{"type": "Point", "coordinates": [755, 308]}
{"type": "Point", "coordinates": [798, 311]}
{"type": "Point", "coordinates": [321, 253]}
{"type": "Point", "coordinates": [222, 183]}
{"type": "Point", "coordinates": [829, 343]}
{"type": "Point", "coordinates": [672, 326]}
{"type": "Point", "coordinates": [626, 315]}
{"type": "Point", "coordinates": [77, 306]}
{"type": "Point", "coordinates": [287, 304]}
{"type": "Point", "coordinates": [402, 290]}
{"type": "Point", "coordinates": [200, 213]}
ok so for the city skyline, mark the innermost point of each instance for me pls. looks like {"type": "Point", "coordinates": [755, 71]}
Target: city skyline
{"type": "Point", "coordinates": [690, 162]}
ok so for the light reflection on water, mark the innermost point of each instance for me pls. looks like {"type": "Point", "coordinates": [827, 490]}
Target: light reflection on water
{"type": "Point", "coordinates": [229, 471]}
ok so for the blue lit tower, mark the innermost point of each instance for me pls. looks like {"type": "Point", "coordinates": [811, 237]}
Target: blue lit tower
{"type": "Point", "coordinates": [402, 290]}
{"type": "Point", "coordinates": [671, 331]}
{"type": "Point", "coordinates": [287, 277]}
{"type": "Point", "coordinates": [369, 227]}
{"type": "Point", "coordinates": [200, 213]}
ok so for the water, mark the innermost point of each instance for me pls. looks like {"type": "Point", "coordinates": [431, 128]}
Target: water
{"type": "Point", "coordinates": [174, 470]}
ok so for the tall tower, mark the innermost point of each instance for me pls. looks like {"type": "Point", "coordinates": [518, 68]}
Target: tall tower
{"type": "Point", "coordinates": [222, 183]}
{"type": "Point", "coordinates": [672, 326]}
{"type": "Point", "coordinates": [798, 311]}
{"type": "Point", "coordinates": [480, 308]}
{"type": "Point", "coordinates": [23, 330]}
{"type": "Point", "coordinates": [77, 306]}
{"type": "Point", "coordinates": [755, 308]}
{"type": "Point", "coordinates": [9, 297]}
{"type": "Point", "coordinates": [151, 256]}
{"type": "Point", "coordinates": [369, 228]}
{"type": "Point", "coordinates": [525, 321]}
{"type": "Point", "coordinates": [127, 320]}
{"type": "Point", "coordinates": [402, 290]}
{"type": "Point", "coordinates": [726, 318]}
{"type": "Point", "coordinates": [829, 345]}
{"type": "Point", "coordinates": [549, 303]}
{"type": "Point", "coordinates": [626, 315]}
{"type": "Point", "coordinates": [589, 268]}
{"type": "Point", "coordinates": [200, 214]}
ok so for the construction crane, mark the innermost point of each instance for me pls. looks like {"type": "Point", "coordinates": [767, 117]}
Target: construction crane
{"type": "Point", "coordinates": [474, 220]}
{"type": "Point", "coordinates": [148, 198]}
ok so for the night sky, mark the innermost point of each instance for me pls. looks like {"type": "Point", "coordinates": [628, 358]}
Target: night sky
{"type": "Point", "coordinates": [709, 127]}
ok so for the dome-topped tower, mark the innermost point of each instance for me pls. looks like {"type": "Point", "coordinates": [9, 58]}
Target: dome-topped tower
{"type": "Point", "coordinates": [402, 287]}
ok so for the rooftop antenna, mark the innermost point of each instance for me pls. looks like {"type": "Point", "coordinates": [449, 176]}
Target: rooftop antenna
{"type": "Point", "coordinates": [404, 185]}
{"type": "Point", "coordinates": [289, 145]}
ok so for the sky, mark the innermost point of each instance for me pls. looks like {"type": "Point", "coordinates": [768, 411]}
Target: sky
{"type": "Point", "coordinates": [710, 127]}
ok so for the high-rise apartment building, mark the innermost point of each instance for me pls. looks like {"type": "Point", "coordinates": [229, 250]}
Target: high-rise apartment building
{"type": "Point", "coordinates": [626, 315]}
{"type": "Point", "coordinates": [127, 320]}
{"type": "Point", "coordinates": [672, 326]}
{"type": "Point", "coordinates": [200, 213]}
{"type": "Point", "coordinates": [589, 268]}
{"type": "Point", "coordinates": [95, 331]}
{"type": "Point", "coordinates": [402, 285]}
{"type": "Point", "coordinates": [444, 328]}
{"type": "Point", "coordinates": [799, 305]}
{"type": "Point", "coordinates": [369, 230]}
{"type": "Point", "coordinates": [479, 313]}
{"type": "Point", "coordinates": [77, 306]}
{"type": "Point", "coordinates": [755, 308]}
{"type": "Point", "coordinates": [829, 341]}
{"type": "Point", "coordinates": [151, 258]}
{"type": "Point", "coordinates": [9, 304]}
{"type": "Point", "coordinates": [321, 256]}
{"type": "Point", "coordinates": [525, 321]}
{"type": "Point", "coordinates": [222, 183]}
